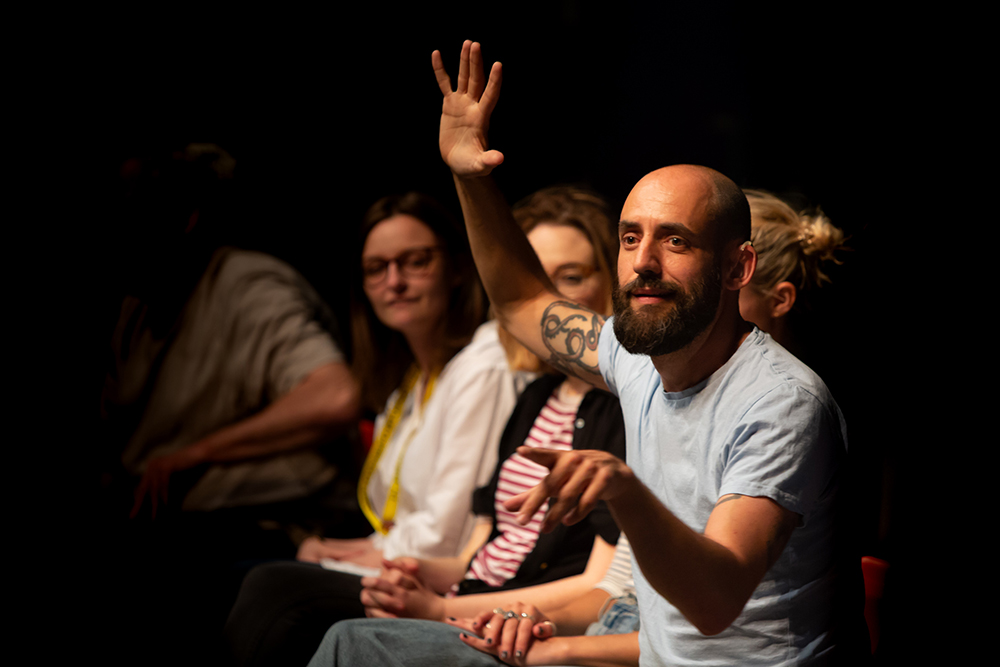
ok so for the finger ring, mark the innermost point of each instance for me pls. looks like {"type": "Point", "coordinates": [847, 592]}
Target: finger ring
{"type": "Point", "coordinates": [500, 611]}
{"type": "Point", "coordinates": [523, 615]}
{"type": "Point", "coordinates": [510, 614]}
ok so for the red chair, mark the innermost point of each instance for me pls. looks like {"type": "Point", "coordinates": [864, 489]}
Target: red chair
{"type": "Point", "coordinates": [873, 569]}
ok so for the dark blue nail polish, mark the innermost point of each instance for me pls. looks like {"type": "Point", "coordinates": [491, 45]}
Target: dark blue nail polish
{"type": "Point", "coordinates": [452, 618]}
{"type": "Point", "coordinates": [489, 641]}
{"type": "Point", "coordinates": [518, 654]}
{"type": "Point", "coordinates": [503, 654]}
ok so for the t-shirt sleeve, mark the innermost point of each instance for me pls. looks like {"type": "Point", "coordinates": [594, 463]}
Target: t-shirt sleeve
{"type": "Point", "coordinates": [785, 447]}
{"type": "Point", "coordinates": [608, 349]}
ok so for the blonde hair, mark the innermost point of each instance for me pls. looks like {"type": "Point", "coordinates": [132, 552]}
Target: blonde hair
{"type": "Point", "coordinates": [790, 246]}
{"type": "Point", "coordinates": [573, 207]}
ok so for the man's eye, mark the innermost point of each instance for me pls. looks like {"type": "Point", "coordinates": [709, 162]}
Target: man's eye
{"type": "Point", "coordinates": [676, 242]}
{"type": "Point", "coordinates": [629, 239]}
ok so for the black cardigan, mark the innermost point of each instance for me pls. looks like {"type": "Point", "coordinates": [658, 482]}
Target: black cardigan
{"type": "Point", "coordinates": [563, 552]}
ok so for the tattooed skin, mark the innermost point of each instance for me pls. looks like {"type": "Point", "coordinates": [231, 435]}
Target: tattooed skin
{"type": "Point", "coordinates": [570, 331]}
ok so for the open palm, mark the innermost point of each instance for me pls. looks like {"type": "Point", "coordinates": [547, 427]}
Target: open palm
{"type": "Point", "coordinates": [465, 113]}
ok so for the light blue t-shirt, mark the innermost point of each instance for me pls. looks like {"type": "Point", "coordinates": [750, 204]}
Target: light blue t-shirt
{"type": "Point", "coordinates": [762, 425]}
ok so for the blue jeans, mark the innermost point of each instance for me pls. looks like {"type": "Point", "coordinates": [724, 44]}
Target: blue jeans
{"type": "Point", "coordinates": [415, 643]}
{"type": "Point", "coordinates": [621, 618]}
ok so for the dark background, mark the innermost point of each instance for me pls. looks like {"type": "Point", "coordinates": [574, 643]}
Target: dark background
{"type": "Point", "coordinates": [326, 110]}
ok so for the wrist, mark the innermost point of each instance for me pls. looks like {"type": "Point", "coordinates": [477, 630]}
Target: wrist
{"type": "Point", "coordinates": [441, 609]}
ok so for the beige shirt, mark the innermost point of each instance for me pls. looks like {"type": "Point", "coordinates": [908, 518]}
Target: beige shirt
{"type": "Point", "coordinates": [247, 335]}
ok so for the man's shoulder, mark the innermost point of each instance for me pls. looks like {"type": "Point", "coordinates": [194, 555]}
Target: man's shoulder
{"type": "Point", "coordinates": [761, 362]}
{"type": "Point", "coordinates": [765, 377]}
{"type": "Point", "coordinates": [231, 264]}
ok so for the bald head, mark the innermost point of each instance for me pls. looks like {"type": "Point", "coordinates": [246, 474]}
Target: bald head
{"type": "Point", "coordinates": [699, 191]}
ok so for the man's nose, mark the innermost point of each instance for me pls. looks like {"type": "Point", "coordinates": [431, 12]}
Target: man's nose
{"type": "Point", "coordinates": [646, 260]}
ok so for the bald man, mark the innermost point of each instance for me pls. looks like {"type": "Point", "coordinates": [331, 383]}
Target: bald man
{"type": "Point", "coordinates": [735, 448]}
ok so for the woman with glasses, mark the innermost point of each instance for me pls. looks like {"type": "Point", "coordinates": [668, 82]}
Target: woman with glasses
{"type": "Point", "coordinates": [443, 390]}
{"type": "Point", "coordinates": [443, 400]}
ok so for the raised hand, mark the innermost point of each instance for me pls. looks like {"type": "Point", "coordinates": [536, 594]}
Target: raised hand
{"type": "Point", "coordinates": [465, 113]}
{"type": "Point", "coordinates": [578, 479]}
{"type": "Point", "coordinates": [509, 634]}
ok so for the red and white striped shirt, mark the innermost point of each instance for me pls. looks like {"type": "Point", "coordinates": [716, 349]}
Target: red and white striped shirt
{"type": "Point", "coordinates": [498, 560]}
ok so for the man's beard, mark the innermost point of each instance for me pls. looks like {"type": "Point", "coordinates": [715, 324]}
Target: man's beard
{"type": "Point", "coordinates": [640, 331]}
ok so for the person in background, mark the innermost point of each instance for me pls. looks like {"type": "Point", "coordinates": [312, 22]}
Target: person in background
{"type": "Point", "coordinates": [792, 249]}
{"type": "Point", "coordinates": [225, 376]}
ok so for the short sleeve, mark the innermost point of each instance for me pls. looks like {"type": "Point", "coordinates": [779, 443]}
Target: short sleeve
{"type": "Point", "coordinates": [786, 447]}
{"type": "Point", "coordinates": [607, 351]}
{"type": "Point", "coordinates": [283, 324]}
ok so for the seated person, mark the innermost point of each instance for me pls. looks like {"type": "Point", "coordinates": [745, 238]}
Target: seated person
{"type": "Point", "coordinates": [223, 363]}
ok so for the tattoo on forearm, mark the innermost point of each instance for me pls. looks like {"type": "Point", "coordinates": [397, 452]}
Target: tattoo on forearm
{"type": "Point", "coordinates": [571, 332]}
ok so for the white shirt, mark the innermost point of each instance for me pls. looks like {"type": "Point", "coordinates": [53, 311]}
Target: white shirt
{"type": "Point", "coordinates": [452, 450]}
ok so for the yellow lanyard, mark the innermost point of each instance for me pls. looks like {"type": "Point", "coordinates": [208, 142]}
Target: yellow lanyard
{"type": "Point", "coordinates": [384, 523]}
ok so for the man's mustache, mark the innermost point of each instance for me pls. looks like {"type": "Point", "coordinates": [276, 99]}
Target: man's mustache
{"type": "Point", "coordinates": [664, 288]}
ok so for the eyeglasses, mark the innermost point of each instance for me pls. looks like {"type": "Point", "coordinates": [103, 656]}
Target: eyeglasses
{"type": "Point", "coordinates": [415, 263]}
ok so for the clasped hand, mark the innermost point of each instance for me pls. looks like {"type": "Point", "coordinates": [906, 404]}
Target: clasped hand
{"type": "Point", "coordinates": [509, 633]}
{"type": "Point", "coordinates": [578, 479]}
{"type": "Point", "coordinates": [465, 113]}
{"type": "Point", "coordinates": [399, 592]}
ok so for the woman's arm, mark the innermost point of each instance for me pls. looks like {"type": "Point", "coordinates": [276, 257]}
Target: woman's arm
{"type": "Point", "coordinates": [440, 574]}
{"type": "Point", "coordinates": [404, 595]}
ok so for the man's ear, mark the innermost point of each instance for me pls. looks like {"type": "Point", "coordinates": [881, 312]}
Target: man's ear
{"type": "Point", "coordinates": [744, 263]}
{"type": "Point", "coordinates": [782, 298]}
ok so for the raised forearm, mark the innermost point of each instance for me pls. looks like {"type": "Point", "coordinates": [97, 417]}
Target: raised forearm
{"type": "Point", "coordinates": [325, 402]}
{"type": "Point", "coordinates": [507, 264]}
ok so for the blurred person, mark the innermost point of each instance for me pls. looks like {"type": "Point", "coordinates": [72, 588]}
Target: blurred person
{"type": "Point", "coordinates": [792, 249]}
{"type": "Point", "coordinates": [224, 364]}
{"type": "Point", "coordinates": [225, 405]}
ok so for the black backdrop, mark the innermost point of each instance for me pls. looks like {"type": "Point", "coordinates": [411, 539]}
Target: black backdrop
{"type": "Point", "coordinates": [325, 110]}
